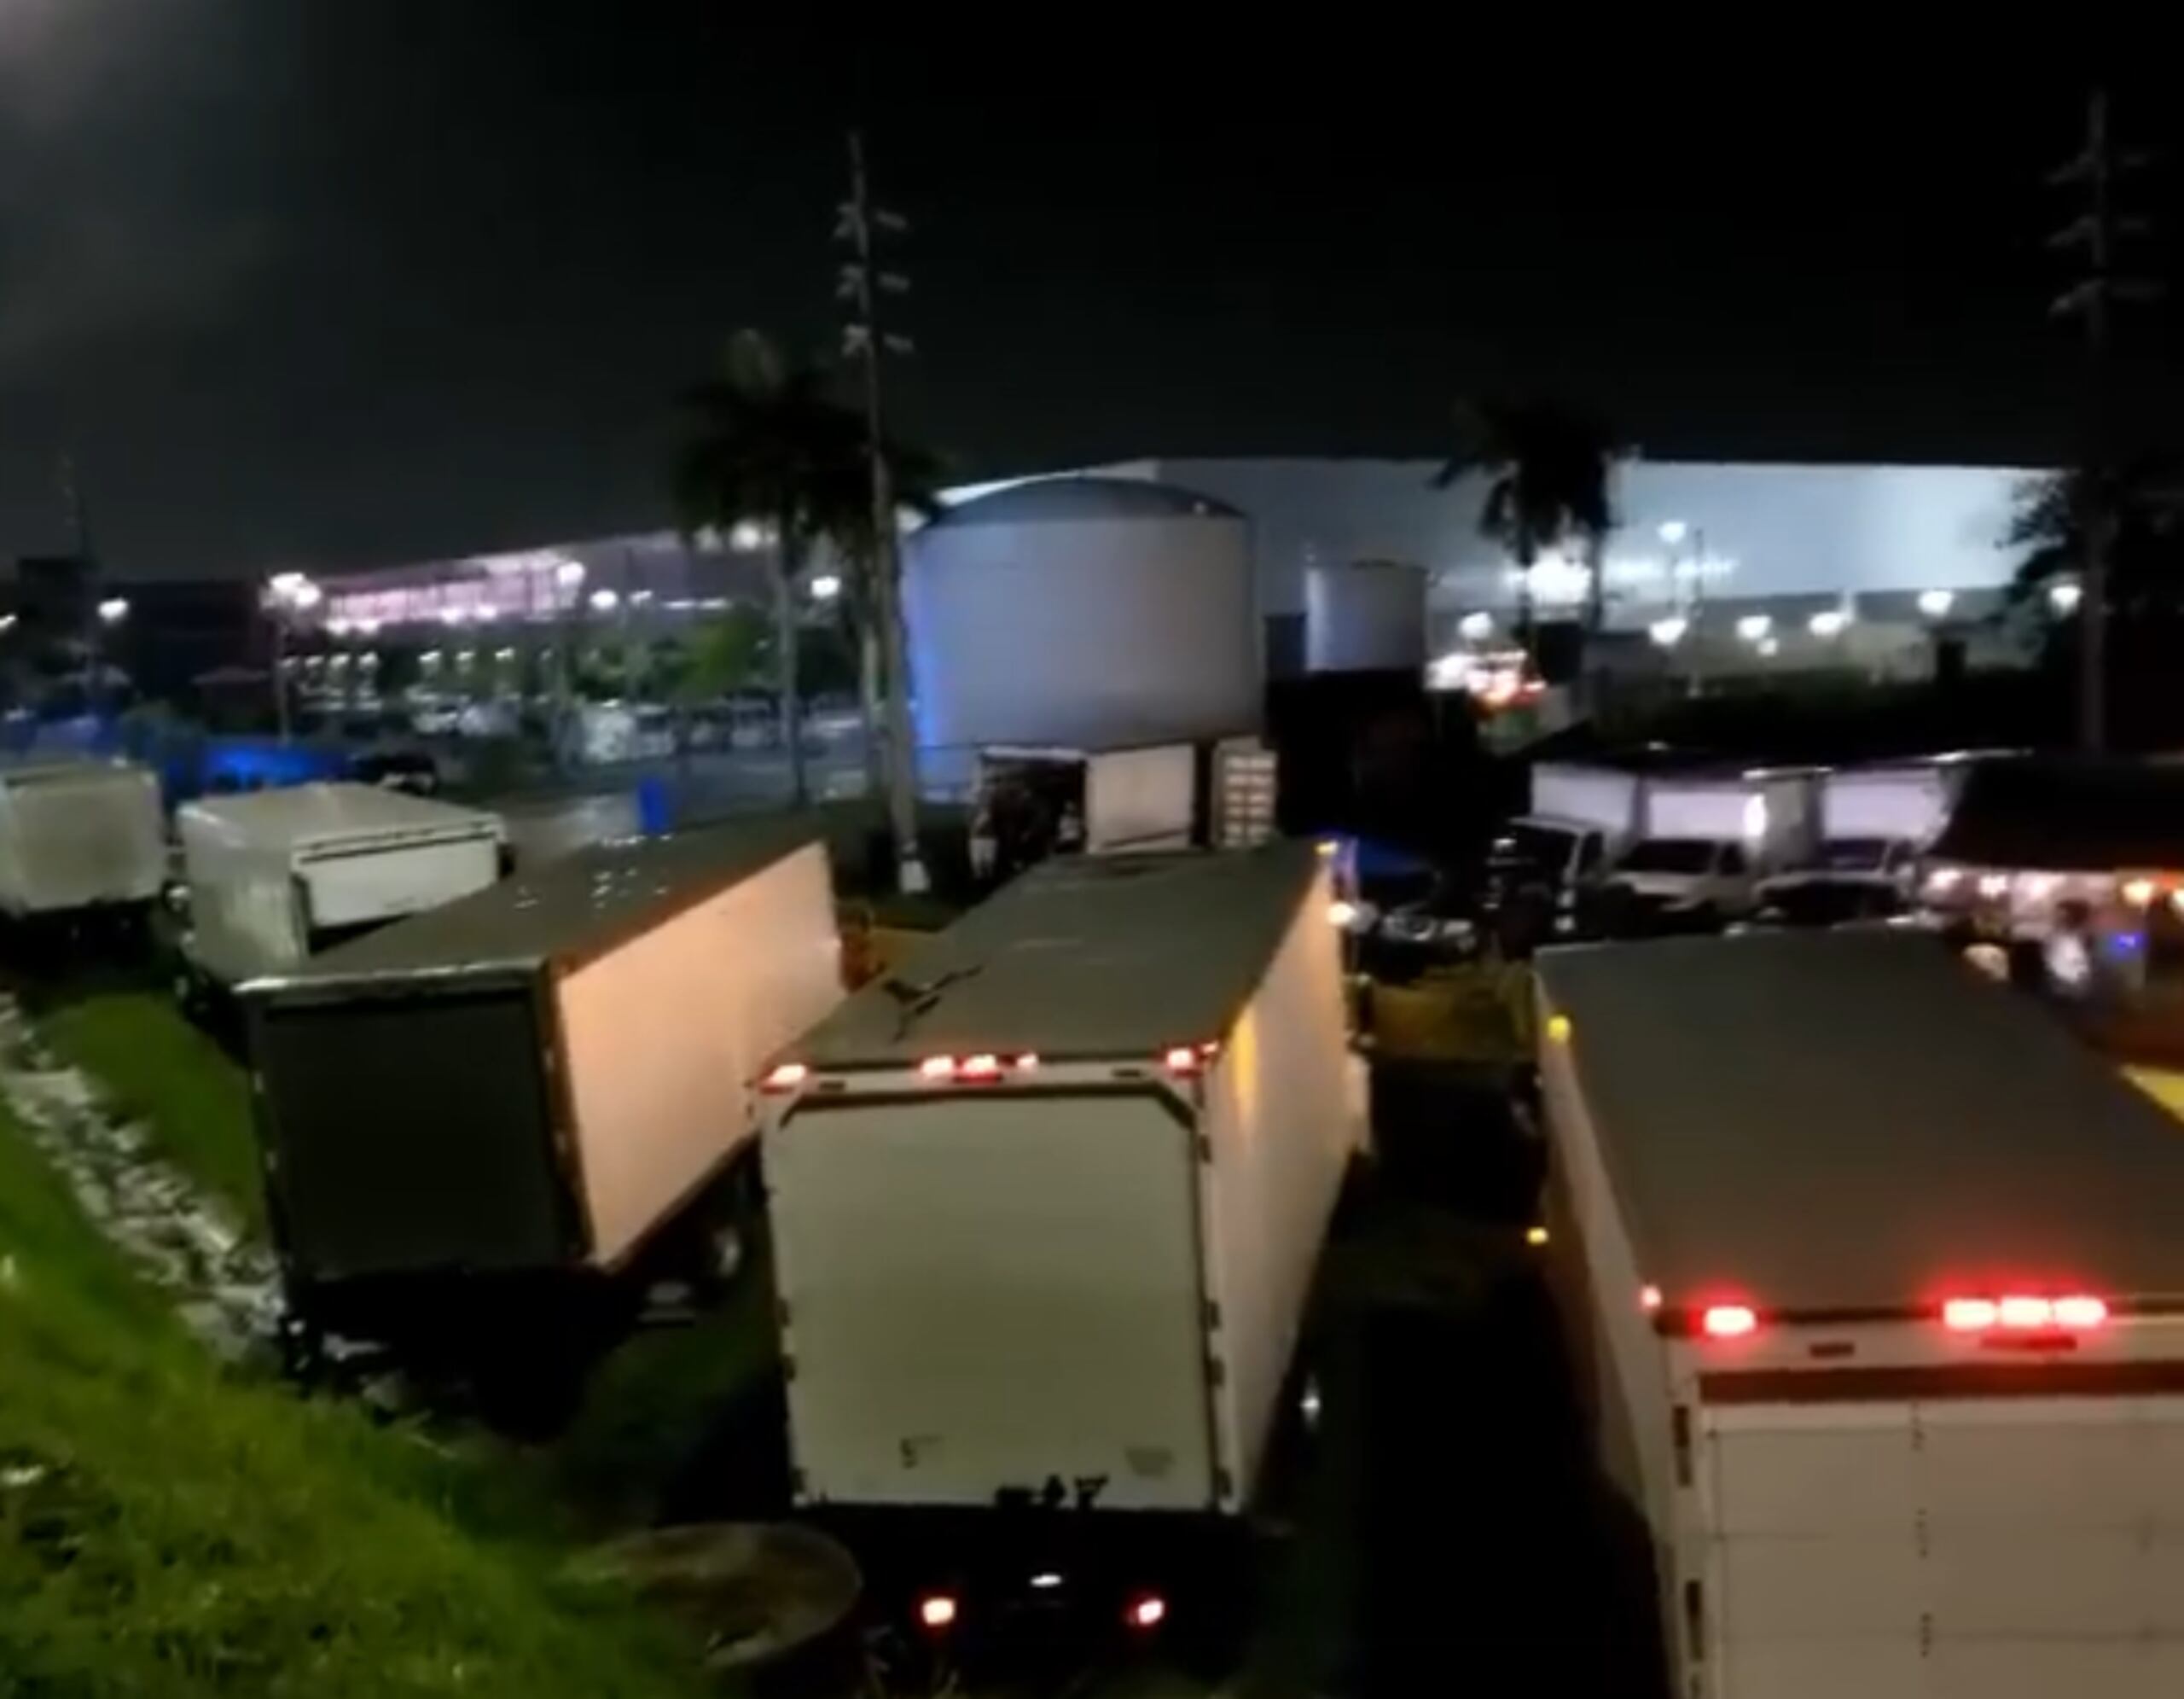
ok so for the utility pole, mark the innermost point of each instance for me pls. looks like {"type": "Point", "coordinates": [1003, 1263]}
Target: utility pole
{"type": "Point", "coordinates": [78, 520]}
{"type": "Point", "coordinates": [864, 227]}
{"type": "Point", "coordinates": [2095, 234]}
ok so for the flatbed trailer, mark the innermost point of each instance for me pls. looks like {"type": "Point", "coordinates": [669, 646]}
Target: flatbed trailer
{"type": "Point", "coordinates": [1876, 1285]}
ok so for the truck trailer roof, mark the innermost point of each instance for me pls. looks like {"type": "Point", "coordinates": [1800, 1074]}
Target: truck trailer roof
{"type": "Point", "coordinates": [1832, 1122]}
{"type": "Point", "coordinates": [296, 817]}
{"type": "Point", "coordinates": [571, 908]}
{"type": "Point", "coordinates": [1094, 955]}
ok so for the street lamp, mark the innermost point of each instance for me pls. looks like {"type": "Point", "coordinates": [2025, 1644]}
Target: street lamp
{"type": "Point", "coordinates": [2063, 596]}
{"type": "Point", "coordinates": [1754, 628]}
{"type": "Point", "coordinates": [1936, 603]}
{"type": "Point", "coordinates": [114, 610]}
{"type": "Point", "coordinates": [1827, 623]}
{"type": "Point", "coordinates": [825, 587]}
{"type": "Point", "coordinates": [287, 595]}
{"type": "Point", "coordinates": [605, 600]}
{"type": "Point", "coordinates": [1669, 632]}
{"type": "Point", "coordinates": [1673, 531]}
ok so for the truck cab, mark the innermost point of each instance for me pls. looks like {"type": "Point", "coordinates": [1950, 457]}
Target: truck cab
{"type": "Point", "coordinates": [1850, 879]}
{"type": "Point", "coordinates": [1698, 880]}
{"type": "Point", "coordinates": [1555, 863]}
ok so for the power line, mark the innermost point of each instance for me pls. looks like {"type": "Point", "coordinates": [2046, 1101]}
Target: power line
{"type": "Point", "coordinates": [2097, 234]}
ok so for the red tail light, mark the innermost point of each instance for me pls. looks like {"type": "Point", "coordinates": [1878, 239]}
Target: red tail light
{"type": "Point", "coordinates": [1181, 1059]}
{"type": "Point", "coordinates": [786, 1078]}
{"type": "Point", "coordinates": [936, 1067]}
{"type": "Point", "coordinates": [1728, 1320]}
{"type": "Point", "coordinates": [2025, 1313]}
{"type": "Point", "coordinates": [1146, 1611]}
{"type": "Point", "coordinates": [937, 1611]}
{"type": "Point", "coordinates": [982, 1067]}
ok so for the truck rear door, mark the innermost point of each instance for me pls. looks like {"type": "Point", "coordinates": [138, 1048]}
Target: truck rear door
{"type": "Point", "coordinates": [992, 1292]}
{"type": "Point", "coordinates": [1944, 1546]}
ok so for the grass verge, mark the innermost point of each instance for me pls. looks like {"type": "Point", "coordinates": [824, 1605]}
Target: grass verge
{"type": "Point", "coordinates": [169, 1528]}
{"type": "Point", "coordinates": [159, 1068]}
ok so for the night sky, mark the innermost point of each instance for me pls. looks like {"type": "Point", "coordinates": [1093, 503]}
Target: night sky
{"type": "Point", "coordinates": [314, 282]}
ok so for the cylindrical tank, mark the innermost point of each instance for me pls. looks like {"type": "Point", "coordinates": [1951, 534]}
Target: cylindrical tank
{"type": "Point", "coordinates": [1367, 617]}
{"type": "Point", "coordinates": [1083, 612]}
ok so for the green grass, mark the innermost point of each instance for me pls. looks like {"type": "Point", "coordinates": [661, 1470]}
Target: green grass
{"type": "Point", "coordinates": [156, 1065]}
{"type": "Point", "coordinates": [169, 1528]}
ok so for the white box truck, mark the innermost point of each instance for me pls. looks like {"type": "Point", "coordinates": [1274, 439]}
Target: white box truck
{"type": "Point", "coordinates": [1706, 840]}
{"type": "Point", "coordinates": [1035, 801]}
{"type": "Point", "coordinates": [531, 1080]}
{"type": "Point", "coordinates": [275, 875]}
{"type": "Point", "coordinates": [1875, 822]}
{"type": "Point", "coordinates": [77, 836]}
{"type": "Point", "coordinates": [1556, 854]}
{"type": "Point", "coordinates": [1874, 1279]}
{"type": "Point", "coordinates": [1046, 1208]}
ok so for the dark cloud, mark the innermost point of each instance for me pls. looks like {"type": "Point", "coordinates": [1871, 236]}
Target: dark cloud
{"type": "Point", "coordinates": [320, 280]}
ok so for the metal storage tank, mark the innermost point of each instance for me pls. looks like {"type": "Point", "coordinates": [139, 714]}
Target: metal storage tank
{"type": "Point", "coordinates": [1084, 612]}
{"type": "Point", "coordinates": [1367, 617]}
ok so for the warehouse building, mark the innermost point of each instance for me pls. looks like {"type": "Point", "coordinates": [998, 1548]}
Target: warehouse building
{"type": "Point", "coordinates": [1713, 572]}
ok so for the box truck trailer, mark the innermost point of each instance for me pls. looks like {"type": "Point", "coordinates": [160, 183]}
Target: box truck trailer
{"type": "Point", "coordinates": [274, 876]}
{"type": "Point", "coordinates": [530, 1081]}
{"type": "Point", "coordinates": [80, 836]}
{"type": "Point", "coordinates": [1875, 822]}
{"type": "Point", "coordinates": [1046, 1207]}
{"type": "Point", "coordinates": [1874, 1279]}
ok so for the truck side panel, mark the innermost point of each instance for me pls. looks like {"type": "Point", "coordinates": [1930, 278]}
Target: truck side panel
{"type": "Point", "coordinates": [662, 1037]}
{"type": "Point", "coordinates": [1621, 1362]}
{"type": "Point", "coordinates": [1716, 812]}
{"type": "Point", "coordinates": [1910, 804]}
{"type": "Point", "coordinates": [1280, 1131]}
{"type": "Point", "coordinates": [1140, 799]}
{"type": "Point", "coordinates": [359, 886]}
{"type": "Point", "coordinates": [989, 1293]}
{"type": "Point", "coordinates": [1598, 796]}
{"type": "Point", "coordinates": [244, 916]}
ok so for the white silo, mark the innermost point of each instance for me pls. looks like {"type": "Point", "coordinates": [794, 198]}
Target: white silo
{"type": "Point", "coordinates": [1083, 612]}
{"type": "Point", "coordinates": [1367, 617]}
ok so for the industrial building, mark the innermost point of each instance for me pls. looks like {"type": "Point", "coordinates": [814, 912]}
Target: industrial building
{"type": "Point", "coordinates": [1714, 573]}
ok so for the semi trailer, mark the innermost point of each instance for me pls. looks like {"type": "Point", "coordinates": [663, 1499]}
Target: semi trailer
{"type": "Point", "coordinates": [530, 1081]}
{"type": "Point", "coordinates": [1046, 1207]}
{"type": "Point", "coordinates": [273, 877]}
{"type": "Point", "coordinates": [1874, 1283]}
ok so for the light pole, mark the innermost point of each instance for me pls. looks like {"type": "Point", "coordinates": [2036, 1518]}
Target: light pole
{"type": "Point", "coordinates": [112, 611]}
{"type": "Point", "coordinates": [287, 595]}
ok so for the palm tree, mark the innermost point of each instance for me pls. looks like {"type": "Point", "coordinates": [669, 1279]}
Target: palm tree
{"type": "Point", "coordinates": [767, 442]}
{"type": "Point", "coordinates": [914, 480]}
{"type": "Point", "coordinates": [1548, 468]}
